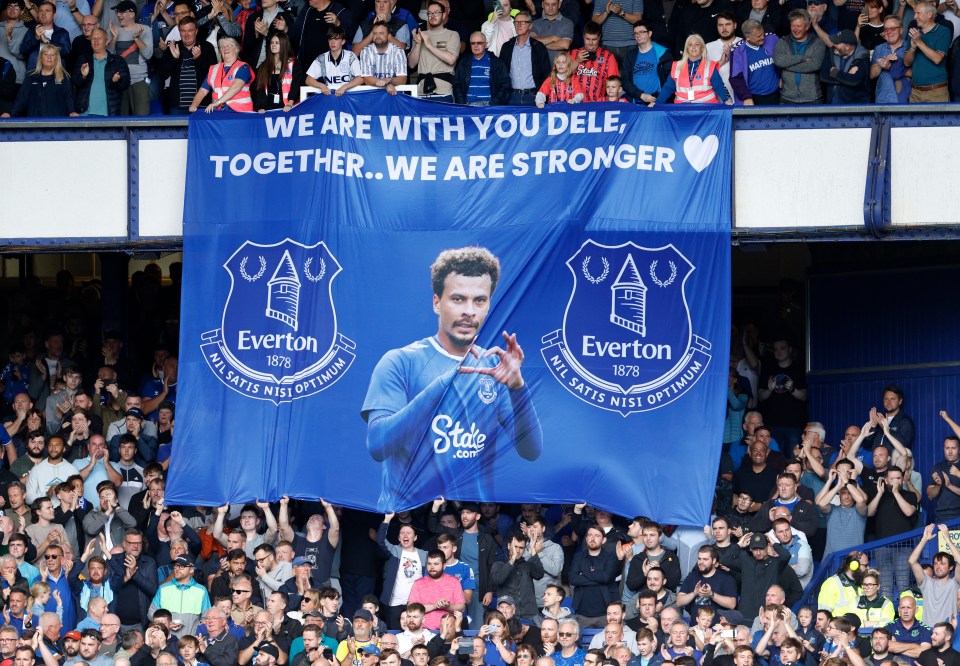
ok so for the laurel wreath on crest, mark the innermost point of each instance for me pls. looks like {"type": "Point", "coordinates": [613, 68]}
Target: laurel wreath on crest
{"type": "Point", "coordinates": [247, 276]}
{"type": "Point", "coordinates": [669, 280]}
{"type": "Point", "coordinates": [310, 276]}
{"type": "Point", "coordinates": [586, 270]}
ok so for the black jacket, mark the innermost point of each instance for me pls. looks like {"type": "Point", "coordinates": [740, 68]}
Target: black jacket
{"type": "Point", "coordinates": [841, 87]}
{"type": "Point", "coordinates": [169, 68]}
{"type": "Point", "coordinates": [541, 60]}
{"type": "Point", "coordinates": [757, 577]}
{"type": "Point", "coordinates": [253, 41]}
{"type": "Point", "coordinates": [803, 517]}
{"type": "Point", "coordinates": [630, 62]}
{"type": "Point", "coordinates": [309, 35]}
{"type": "Point", "coordinates": [115, 65]}
{"type": "Point", "coordinates": [594, 582]}
{"type": "Point", "coordinates": [485, 543]}
{"type": "Point", "coordinates": [637, 579]}
{"type": "Point", "coordinates": [41, 96]}
{"type": "Point", "coordinates": [500, 88]}
{"type": "Point", "coordinates": [772, 22]}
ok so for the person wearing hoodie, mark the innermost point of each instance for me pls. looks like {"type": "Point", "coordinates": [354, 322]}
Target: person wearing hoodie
{"type": "Point", "coordinates": [552, 609]}
{"type": "Point", "coordinates": [845, 74]}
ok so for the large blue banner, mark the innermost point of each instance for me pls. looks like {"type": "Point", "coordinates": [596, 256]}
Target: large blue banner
{"type": "Point", "coordinates": [390, 300]}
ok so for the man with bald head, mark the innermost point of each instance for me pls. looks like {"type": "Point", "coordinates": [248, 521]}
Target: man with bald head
{"type": "Point", "coordinates": [110, 634]}
{"type": "Point", "coordinates": [480, 77]}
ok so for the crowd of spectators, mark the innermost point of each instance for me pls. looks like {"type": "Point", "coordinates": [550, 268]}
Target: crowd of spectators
{"type": "Point", "coordinates": [95, 567]}
{"type": "Point", "coordinates": [127, 57]}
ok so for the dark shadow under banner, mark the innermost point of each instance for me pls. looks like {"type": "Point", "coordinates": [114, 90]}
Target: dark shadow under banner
{"type": "Point", "coordinates": [570, 344]}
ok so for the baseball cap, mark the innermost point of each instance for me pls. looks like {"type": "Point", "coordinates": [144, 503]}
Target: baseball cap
{"type": "Point", "coordinates": [363, 614]}
{"type": "Point", "coordinates": [470, 506]}
{"type": "Point", "coordinates": [184, 560]}
{"type": "Point", "coordinates": [758, 541]}
{"type": "Point", "coordinates": [845, 37]}
{"type": "Point", "coordinates": [732, 616]}
{"type": "Point", "coordinates": [125, 6]}
{"type": "Point", "coordinates": [72, 635]}
{"type": "Point", "coordinates": [138, 413]}
{"type": "Point", "coordinates": [370, 648]}
{"type": "Point", "coordinates": [112, 334]}
{"type": "Point", "coordinates": [507, 600]}
{"type": "Point", "coordinates": [298, 561]}
{"type": "Point", "coordinates": [269, 648]}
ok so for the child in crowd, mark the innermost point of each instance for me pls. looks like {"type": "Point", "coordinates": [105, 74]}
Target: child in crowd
{"type": "Point", "coordinates": [811, 639]}
{"type": "Point", "coordinates": [614, 88]}
{"type": "Point", "coordinates": [39, 597]}
{"type": "Point", "coordinates": [705, 614]}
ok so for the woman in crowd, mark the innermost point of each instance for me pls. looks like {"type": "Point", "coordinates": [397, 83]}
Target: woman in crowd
{"type": "Point", "coordinates": [869, 28]}
{"type": "Point", "coordinates": [560, 85]}
{"type": "Point", "coordinates": [694, 79]}
{"type": "Point", "coordinates": [873, 609]}
{"type": "Point", "coordinates": [274, 86]}
{"type": "Point", "coordinates": [499, 28]}
{"type": "Point", "coordinates": [47, 91]}
{"type": "Point", "coordinates": [229, 81]}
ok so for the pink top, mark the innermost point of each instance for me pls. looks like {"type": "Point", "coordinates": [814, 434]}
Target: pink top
{"type": "Point", "coordinates": [428, 591]}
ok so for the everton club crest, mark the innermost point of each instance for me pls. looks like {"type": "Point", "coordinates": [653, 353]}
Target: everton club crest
{"type": "Point", "coordinates": [279, 339]}
{"type": "Point", "coordinates": [627, 343]}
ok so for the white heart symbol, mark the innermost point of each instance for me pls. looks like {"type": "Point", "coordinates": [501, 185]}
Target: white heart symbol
{"type": "Point", "coordinates": [700, 152]}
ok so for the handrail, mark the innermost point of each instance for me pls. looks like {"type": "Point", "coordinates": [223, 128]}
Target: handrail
{"type": "Point", "coordinates": [829, 566]}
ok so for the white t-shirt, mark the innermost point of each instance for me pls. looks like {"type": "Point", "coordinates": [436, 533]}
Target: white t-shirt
{"type": "Point", "coordinates": [335, 74]}
{"type": "Point", "coordinates": [714, 53]}
{"type": "Point", "coordinates": [407, 574]}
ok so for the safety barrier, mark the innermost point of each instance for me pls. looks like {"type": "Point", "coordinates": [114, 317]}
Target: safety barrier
{"type": "Point", "coordinates": [892, 551]}
{"type": "Point", "coordinates": [837, 173]}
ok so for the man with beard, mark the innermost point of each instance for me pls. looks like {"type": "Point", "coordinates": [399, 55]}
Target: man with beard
{"type": "Point", "coordinates": [414, 633]}
{"type": "Point", "coordinates": [382, 63]}
{"type": "Point", "coordinates": [477, 549]}
{"type": "Point", "coordinates": [48, 474]}
{"type": "Point", "coordinates": [592, 574]}
{"type": "Point", "coordinates": [941, 652]}
{"type": "Point", "coordinates": [940, 589]}
{"type": "Point", "coordinates": [707, 585]}
{"type": "Point", "coordinates": [36, 443]}
{"type": "Point", "coordinates": [438, 591]}
{"type": "Point", "coordinates": [720, 49]}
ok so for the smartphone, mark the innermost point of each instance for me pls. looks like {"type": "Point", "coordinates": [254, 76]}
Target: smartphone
{"type": "Point", "coordinates": [328, 653]}
{"type": "Point", "coordinates": [466, 648]}
{"type": "Point", "coordinates": [728, 633]}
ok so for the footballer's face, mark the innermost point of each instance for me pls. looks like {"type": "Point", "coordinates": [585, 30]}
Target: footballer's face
{"type": "Point", "coordinates": [462, 308]}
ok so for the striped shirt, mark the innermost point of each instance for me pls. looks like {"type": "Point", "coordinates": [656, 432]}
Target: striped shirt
{"type": "Point", "coordinates": [592, 74]}
{"type": "Point", "coordinates": [618, 31]}
{"type": "Point", "coordinates": [391, 63]}
{"type": "Point", "coordinates": [479, 90]}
